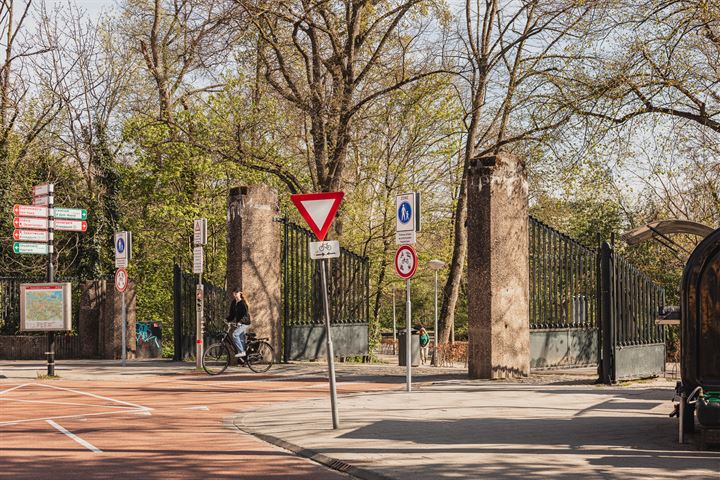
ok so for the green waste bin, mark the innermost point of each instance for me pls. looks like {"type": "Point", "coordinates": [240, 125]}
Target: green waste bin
{"type": "Point", "coordinates": [414, 348]}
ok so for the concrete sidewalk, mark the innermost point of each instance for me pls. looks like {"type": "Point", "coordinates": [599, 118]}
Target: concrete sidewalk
{"type": "Point", "coordinates": [498, 430]}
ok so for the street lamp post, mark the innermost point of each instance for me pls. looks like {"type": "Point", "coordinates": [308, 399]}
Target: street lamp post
{"type": "Point", "coordinates": [436, 265]}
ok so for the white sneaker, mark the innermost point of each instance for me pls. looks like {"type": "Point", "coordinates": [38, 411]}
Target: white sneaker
{"type": "Point", "coordinates": [240, 355]}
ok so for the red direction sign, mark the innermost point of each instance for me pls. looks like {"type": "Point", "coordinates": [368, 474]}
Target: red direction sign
{"type": "Point", "coordinates": [27, 222]}
{"type": "Point", "coordinates": [318, 210]}
{"type": "Point", "coordinates": [30, 211]}
{"type": "Point", "coordinates": [31, 235]}
{"type": "Point", "coordinates": [406, 261]}
{"type": "Point", "coordinates": [70, 225]}
{"type": "Point", "coordinates": [121, 280]}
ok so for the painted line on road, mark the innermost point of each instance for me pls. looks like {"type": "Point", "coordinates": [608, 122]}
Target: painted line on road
{"type": "Point", "coordinates": [201, 407]}
{"type": "Point", "coordinates": [129, 409]}
{"type": "Point", "coordinates": [79, 415]}
{"type": "Point", "coordinates": [94, 395]}
{"type": "Point", "coordinates": [15, 388]}
{"type": "Point", "coordinates": [79, 440]}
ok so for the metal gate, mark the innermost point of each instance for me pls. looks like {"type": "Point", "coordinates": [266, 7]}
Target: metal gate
{"type": "Point", "coordinates": [575, 293]}
{"type": "Point", "coordinates": [348, 288]}
{"type": "Point", "coordinates": [215, 304]}
{"type": "Point", "coordinates": [633, 345]}
{"type": "Point", "coordinates": [563, 299]}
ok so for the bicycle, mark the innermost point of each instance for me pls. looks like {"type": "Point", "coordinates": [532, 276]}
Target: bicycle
{"type": "Point", "coordinates": [218, 356]}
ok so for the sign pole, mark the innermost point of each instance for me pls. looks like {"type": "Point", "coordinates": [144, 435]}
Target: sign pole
{"type": "Point", "coordinates": [124, 330]}
{"type": "Point", "coordinates": [408, 335]}
{"type": "Point", "coordinates": [50, 279]}
{"type": "Point", "coordinates": [199, 321]}
{"type": "Point", "coordinates": [329, 348]}
{"type": "Point", "coordinates": [435, 350]}
{"type": "Point", "coordinates": [394, 325]}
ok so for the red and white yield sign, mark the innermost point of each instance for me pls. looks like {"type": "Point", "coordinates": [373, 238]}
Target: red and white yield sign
{"type": "Point", "coordinates": [121, 280]}
{"type": "Point", "coordinates": [318, 210]}
{"type": "Point", "coordinates": [406, 261]}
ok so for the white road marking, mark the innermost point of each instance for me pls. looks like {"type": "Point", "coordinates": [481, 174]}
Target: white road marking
{"type": "Point", "coordinates": [93, 395]}
{"type": "Point", "coordinates": [201, 407]}
{"type": "Point", "coordinates": [13, 388]}
{"type": "Point", "coordinates": [79, 415]}
{"type": "Point", "coordinates": [66, 403]}
{"type": "Point", "coordinates": [79, 440]}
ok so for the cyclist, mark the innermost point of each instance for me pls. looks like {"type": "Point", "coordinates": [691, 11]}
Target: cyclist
{"type": "Point", "coordinates": [239, 314]}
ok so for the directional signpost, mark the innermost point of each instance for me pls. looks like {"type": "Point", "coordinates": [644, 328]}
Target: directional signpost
{"type": "Point", "coordinates": [30, 248]}
{"type": "Point", "coordinates": [318, 210]}
{"type": "Point", "coordinates": [34, 234]}
{"type": "Point", "coordinates": [407, 208]}
{"type": "Point", "coordinates": [199, 239]}
{"type": "Point", "coordinates": [70, 213]}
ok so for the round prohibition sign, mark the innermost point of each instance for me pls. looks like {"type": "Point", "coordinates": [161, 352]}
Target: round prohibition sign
{"type": "Point", "coordinates": [405, 261]}
{"type": "Point", "coordinates": [121, 280]}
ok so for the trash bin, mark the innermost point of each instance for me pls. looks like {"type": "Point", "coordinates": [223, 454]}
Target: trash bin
{"type": "Point", "coordinates": [415, 348]}
{"type": "Point", "coordinates": [149, 339]}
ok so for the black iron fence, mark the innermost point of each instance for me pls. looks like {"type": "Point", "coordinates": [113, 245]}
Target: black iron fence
{"type": "Point", "coordinates": [563, 280]}
{"type": "Point", "coordinates": [216, 301]}
{"type": "Point", "coordinates": [348, 282]}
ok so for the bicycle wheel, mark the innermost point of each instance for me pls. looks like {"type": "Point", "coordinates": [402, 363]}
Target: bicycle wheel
{"type": "Point", "coordinates": [216, 359]}
{"type": "Point", "coordinates": [262, 358]}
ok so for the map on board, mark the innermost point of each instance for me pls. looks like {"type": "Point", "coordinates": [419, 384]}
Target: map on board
{"type": "Point", "coordinates": [45, 307]}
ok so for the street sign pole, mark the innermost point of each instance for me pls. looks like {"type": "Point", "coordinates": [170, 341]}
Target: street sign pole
{"type": "Point", "coordinates": [435, 348]}
{"type": "Point", "coordinates": [50, 279]}
{"type": "Point", "coordinates": [408, 335]}
{"type": "Point", "coordinates": [394, 325]}
{"type": "Point", "coordinates": [329, 348]}
{"type": "Point", "coordinates": [199, 321]}
{"type": "Point", "coordinates": [124, 330]}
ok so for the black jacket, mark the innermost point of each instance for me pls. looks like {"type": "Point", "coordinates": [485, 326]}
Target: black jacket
{"type": "Point", "coordinates": [239, 312]}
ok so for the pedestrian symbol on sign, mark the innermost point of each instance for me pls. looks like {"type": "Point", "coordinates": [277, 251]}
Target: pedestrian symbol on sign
{"type": "Point", "coordinates": [404, 212]}
{"type": "Point", "coordinates": [120, 245]}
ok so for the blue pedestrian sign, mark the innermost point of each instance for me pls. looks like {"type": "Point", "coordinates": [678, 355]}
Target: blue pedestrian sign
{"type": "Point", "coordinates": [405, 212]}
{"type": "Point", "coordinates": [123, 249]}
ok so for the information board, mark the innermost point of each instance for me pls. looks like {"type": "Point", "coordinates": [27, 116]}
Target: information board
{"type": "Point", "coordinates": [45, 307]}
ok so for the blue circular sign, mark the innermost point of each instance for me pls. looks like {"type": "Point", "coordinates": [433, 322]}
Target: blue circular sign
{"type": "Point", "coordinates": [120, 245]}
{"type": "Point", "coordinates": [404, 212]}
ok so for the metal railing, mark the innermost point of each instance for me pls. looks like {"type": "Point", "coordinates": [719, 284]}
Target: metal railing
{"type": "Point", "coordinates": [348, 282]}
{"type": "Point", "coordinates": [563, 280]}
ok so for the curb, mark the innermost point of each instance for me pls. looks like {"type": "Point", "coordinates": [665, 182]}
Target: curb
{"type": "Point", "coordinates": [332, 463]}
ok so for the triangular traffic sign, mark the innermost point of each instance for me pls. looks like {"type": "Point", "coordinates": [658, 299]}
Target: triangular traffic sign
{"type": "Point", "coordinates": [318, 210]}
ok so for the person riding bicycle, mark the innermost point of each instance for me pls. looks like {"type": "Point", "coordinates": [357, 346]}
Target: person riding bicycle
{"type": "Point", "coordinates": [239, 314]}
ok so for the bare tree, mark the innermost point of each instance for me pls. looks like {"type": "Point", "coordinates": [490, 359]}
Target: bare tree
{"type": "Point", "coordinates": [330, 60]}
{"type": "Point", "coordinates": [507, 50]}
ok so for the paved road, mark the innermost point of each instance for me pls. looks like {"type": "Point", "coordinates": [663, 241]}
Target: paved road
{"type": "Point", "coordinates": [107, 423]}
{"type": "Point", "coordinates": [498, 430]}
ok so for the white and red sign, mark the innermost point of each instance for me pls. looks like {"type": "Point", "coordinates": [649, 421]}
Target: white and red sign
{"type": "Point", "coordinates": [406, 261]}
{"type": "Point", "coordinates": [28, 222]}
{"type": "Point", "coordinates": [42, 200]}
{"type": "Point", "coordinates": [318, 210]}
{"type": "Point", "coordinates": [43, 189]}
{"type": "Point", "coordinates": [30, 211]}
{"type": "Point", "coordinates": [31, 235]}
{"type": "Point", "coordinates": [70, 225]}
{"type": "Point", "coordinates": [121, 280]}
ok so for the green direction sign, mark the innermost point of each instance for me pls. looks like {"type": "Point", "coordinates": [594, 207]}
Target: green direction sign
{"type": "Point", "coordinates": [30, 248]}
{"type": "Point", "coordinates": [70, 213]}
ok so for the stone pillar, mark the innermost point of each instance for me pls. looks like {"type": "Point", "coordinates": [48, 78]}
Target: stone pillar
{"type": "Point", "coordinates": [498, 269]}
{"type": "Point", "coordinates": [254, 256]}
{"type": "Point", "coordinates": [91, 312]}
{"type": "Point", "coordinates": [110, 325]}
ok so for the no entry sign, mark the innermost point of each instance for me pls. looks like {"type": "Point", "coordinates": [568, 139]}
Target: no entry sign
{"type": "Point", "coordinates": [405, 261]}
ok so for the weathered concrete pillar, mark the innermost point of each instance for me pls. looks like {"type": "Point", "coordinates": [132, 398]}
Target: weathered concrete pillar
{"type": "Point", "coordinates": [498, 270]}
{"type": "Point", "coordinates": [91, 312]}
{"type": "Point", "coordinates": [110, 323]}
{"type": "Point", "coordinates": [254, 256]}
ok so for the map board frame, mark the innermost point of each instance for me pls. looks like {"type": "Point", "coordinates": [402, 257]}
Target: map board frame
{"type": "Point", "coordinates": [59, 293]}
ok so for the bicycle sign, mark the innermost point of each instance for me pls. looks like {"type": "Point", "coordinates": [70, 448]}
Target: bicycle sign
{"type": "Point", "coordinates": [327, 249]}
{"type": "Point", "coordinates": [406, 261]}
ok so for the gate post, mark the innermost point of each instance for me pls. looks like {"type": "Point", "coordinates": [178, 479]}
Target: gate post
{"type": "Point", "coordinates": [254, 257]}
{"type": "Point", "coordinates": [498, 268]}
{"type": "Point", "coordinates": [607, 370]}
{"type": "Point", "coordinates": [177, 313]}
